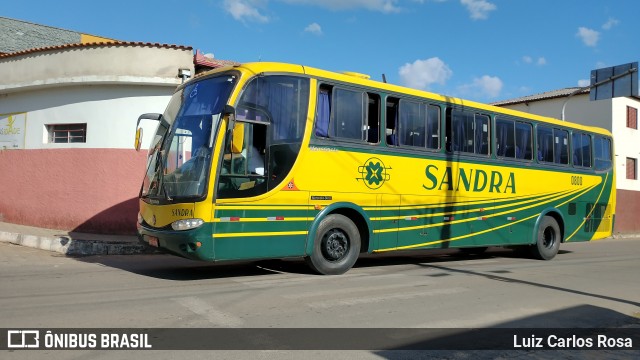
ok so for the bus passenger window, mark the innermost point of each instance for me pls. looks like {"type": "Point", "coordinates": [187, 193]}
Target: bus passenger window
{"type": "Point", "coordinates": [433, 127]}
{"type": "Point", "coordinates": [513, 139]}
{"type": "Point", "coordinates": [602, 149]}
{"type": "Point", "coordinates": [412, 124]}
{"type": "Point", "coordinates": [373, 119]}
{"type": "Point", "coordinates": [347, 115]}
{"type": "Point", "coordinates": [323, 112]}
{"type": "Point", "coordinates": [561, 152]}
{"type": "Point", "coordinates": [505, 142]}
{"type": "Point", "coordinates": [524, 136]}
{"type": "Point", "coordinates": [469, 132]}
{"type": "Point", "coordinates": [545, 144]}
{"type": "Point", "coordinates": [391, 121]}
{"type": "Point", "coordinates": [481, 134]}
{"type": "Point", "coordinates": [581, 148]}
{"type": "Point", "coordinates": [461, 132]}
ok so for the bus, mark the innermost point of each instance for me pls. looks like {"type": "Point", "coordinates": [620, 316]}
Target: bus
{"type": "Point", "coordinates": [273, 160]}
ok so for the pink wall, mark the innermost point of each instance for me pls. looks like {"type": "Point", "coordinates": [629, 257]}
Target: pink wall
{"type": "Point", "coordinates": [86, 190]}
{"type": "Point", "coordinates": [627, 210]}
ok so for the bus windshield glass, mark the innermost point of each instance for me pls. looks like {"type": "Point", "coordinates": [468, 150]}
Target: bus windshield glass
{"type": "Point", "coordinates": [180, 155]}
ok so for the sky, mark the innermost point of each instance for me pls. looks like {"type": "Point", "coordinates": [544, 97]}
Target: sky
{"type": "Point", "coordinates": [482, 50]}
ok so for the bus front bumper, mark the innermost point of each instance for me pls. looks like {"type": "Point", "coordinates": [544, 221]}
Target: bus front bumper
{"type": "Point", "coordinates": [195, 244]}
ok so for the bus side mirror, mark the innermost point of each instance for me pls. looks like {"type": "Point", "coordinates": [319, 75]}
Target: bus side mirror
{"type": "Point", "coordinates": [138, 141]}
{"type": "Point", "coordinates": [150, 116]}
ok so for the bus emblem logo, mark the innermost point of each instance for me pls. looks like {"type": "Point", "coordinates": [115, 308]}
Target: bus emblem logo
{"type": "Point", "coordinates": [373, 173]}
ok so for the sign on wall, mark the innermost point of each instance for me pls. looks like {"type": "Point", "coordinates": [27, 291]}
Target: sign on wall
{"type": "Point", "coordinates": [12, 130]}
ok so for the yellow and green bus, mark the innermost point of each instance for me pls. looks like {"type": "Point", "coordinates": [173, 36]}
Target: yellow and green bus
{"type": "Point", "coordinates": [273, 160]}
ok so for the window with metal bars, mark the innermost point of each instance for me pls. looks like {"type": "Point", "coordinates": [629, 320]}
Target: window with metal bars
{"type": "Point", "coordinates": [67, 133]}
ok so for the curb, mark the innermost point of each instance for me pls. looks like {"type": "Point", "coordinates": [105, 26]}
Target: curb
{"type": "Point", "coordinates": [68, 246]}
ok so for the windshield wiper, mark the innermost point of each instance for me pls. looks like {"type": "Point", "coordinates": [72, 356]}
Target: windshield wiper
{"type": "Point", "coordinates": [161, 176]}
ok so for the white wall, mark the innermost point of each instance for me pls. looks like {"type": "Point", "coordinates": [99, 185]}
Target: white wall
{"type": "Point", "coordinates": [110, 63]}
{"type": "Point", "coordinates": [627, 142]}
{"type": "Point", "coordinates": [110, 112]}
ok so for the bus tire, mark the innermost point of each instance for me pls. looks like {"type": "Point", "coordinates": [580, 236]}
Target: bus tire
{"type": "Point", "coordinates": [548, 240]}
{"type": "Point", "coordinates": [336, 246]}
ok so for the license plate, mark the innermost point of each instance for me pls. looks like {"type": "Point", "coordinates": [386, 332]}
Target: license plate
{"type": "Point", "coordinates": [153, 241]}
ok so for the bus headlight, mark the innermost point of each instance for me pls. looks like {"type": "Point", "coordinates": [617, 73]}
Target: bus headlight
{"type": "Point", "coordinates": [186, 224]}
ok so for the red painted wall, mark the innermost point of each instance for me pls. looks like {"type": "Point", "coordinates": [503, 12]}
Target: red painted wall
{"type": "Point", "coordinates": [627, 212]}
{"type": "Point", "coordinates": [85, 190]}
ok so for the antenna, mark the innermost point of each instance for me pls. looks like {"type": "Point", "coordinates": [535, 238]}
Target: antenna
{"type": "Point", "coordinates": [384, 78]}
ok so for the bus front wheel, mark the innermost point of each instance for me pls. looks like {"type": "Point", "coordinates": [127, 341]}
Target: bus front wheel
{"type": "Point", "coordinates": [336, 246]}
{"type": "Point", "coordinates": [548, 241]}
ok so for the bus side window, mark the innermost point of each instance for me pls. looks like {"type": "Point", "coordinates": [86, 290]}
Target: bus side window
{"type": "Point", "coordinates": [524, 136]}
{"type": "Point", "coordinates": [481, 134]}
{"type": "Point", "coordinates": [433, 127]}
{"type": "Point", "coordinates": [561, 153]}
{"type": "Point", "coordinates": [411, 125]}
{"type": "Point", "coordinates": [545, 144]}
{"type": "Point", "coordinates": [323, 112]}
{"type": "Point", "coordinates": [602, 149]}
{"type": "Point", "coordinates": [373, 119]}
{"type": "Point", "coordinates": [347, 114]}
{"type": "Point", "coordinates": [505, 142]}
{"type": "Point", "coordinates": [391, 129]}
{"type": "Point", "coordinates": [581, 147]}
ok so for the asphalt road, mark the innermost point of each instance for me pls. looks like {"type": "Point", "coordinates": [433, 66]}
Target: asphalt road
{"type": "Point", "coordinates": [587, 285]}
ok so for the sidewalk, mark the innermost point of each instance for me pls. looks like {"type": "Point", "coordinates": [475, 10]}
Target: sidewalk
{"type": "Point", "coordinates": [70, 243]}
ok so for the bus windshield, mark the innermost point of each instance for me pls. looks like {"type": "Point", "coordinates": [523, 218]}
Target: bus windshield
{"type": "Point", "coordinates": [180, 156]}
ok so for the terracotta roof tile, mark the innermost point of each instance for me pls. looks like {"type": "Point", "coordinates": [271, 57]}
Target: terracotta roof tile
{"type": "Point", "coordinates": [200, 59]}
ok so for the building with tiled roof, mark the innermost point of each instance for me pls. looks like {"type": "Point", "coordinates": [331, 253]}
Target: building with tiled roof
{"type": "Point", "coordinates": [69, 103]}
{"type": "Point", "coordinates": [618, 115]}
{"type": "Point", "coordinates": [68, 117]}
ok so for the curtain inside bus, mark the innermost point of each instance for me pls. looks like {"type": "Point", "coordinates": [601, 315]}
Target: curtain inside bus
{"type": "Point", "coordinates": [323, 111]}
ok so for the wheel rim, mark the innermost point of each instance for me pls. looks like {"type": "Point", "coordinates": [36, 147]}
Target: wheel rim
{"type": "Point", "coordinates": [548, 237]}
{"type": "Point", "coordinates": [335, 245]}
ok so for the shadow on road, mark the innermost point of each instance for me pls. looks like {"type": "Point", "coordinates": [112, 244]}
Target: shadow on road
{"type": "Point", "coordinates": [170, 267]}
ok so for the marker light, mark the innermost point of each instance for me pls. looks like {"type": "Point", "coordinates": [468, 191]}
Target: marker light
{"type": "Point", "coordinates": [186, 224]}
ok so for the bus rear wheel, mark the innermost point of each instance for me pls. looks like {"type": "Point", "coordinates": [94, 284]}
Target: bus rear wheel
{"type": "Point", "coordinates": [336, 246]}
{"type": "Point", "coordinates": [548, 241]}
